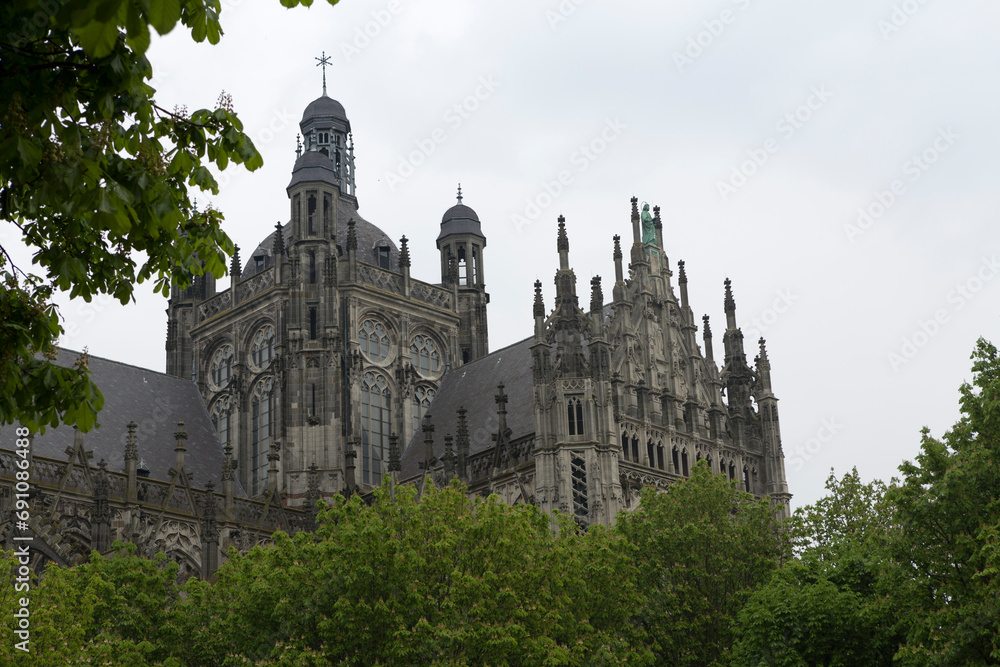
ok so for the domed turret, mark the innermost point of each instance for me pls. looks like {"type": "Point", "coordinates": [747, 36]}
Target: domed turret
{"type": "Point", "coordinates": [326, 134]}
{"type": "Point", "coordinates": [461, 244]}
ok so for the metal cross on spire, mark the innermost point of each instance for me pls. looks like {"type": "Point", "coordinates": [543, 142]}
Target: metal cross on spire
{"type": "Point", "coordinates": [323, 62]}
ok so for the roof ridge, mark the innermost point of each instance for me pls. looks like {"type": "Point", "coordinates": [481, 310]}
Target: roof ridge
{"type": "Point", "coordinates": [78, 353]}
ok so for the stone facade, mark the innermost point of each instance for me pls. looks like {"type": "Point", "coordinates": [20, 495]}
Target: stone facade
{"type": "Point", "coordinates": [318, 372]}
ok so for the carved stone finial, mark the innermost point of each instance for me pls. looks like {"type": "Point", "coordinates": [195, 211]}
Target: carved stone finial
{"type": "Point", "coordinates": [501, 399]}
{"type": "Point", "coordinates": [279, 240]}
{"type": "Point", "coordinates": [428, 429]}
{"type": "Point", "coordinates": [235, 266]}
{"type": "Point", "coordinates": [539, 307]}
{"type": "Point", "coordinates": [618, 247]}
{"type": "Point", "coordinates": [635, 207]}
{"type": "Point", "coordinates": [707, 329]}
{"type": "Point", "coordinates": [596, 294]}
{"type": "Point", "coordinates": [131, 446]}
{"type": "Point", "coordinates": [730, 302]}
{"type": "Point", "coordinates": [656, 218]}
{"type": "Point", "coordinates": [562, 241]}
{"type": "Point", "coordinates": [180, 434]}
{"type": "Point", "coordinates": [459, 193]}
{"type": "Point", "coordinates": [228, 463]}
{"type": "Point", "coordinates": [352, 235]}
{"type": "Point", "coordinates": [404, 253]}
{"type": "Point", "coordinates": [682, 273]}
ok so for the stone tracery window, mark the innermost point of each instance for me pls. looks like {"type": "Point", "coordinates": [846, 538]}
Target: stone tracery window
{"type": "Point", "coordinates": [222, 366]}
{"type": "Point", "coordinates": [220, 419]}
{"type": "Point", "coordinates": [262, 347]}
{"type": "Point", "coordinates": [424, 356]}
{"type": "Point", "coordinates": [376, 426]}
{"type": "Point", "coordinates": [374, 340]}
{"type": "Point", "coordinates": [261, 412]}
{"type": "Point", "coordinates": [422, 399]}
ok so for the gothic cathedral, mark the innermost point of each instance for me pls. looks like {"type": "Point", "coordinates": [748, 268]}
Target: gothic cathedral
{"type": "Point", "coordinates": [326, 366]}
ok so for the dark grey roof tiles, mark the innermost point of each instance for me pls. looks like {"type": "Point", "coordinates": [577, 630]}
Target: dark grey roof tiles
{"type": "Point", "coordinates": [313, 166]}
{"type": "Point", "coordinates": [155, 402]}
{"type": "Point", "coordinates": [474, 386]}
{"type": "Point", "coordinates": [324, 107]}
{"type": "Point", "coordinates": [460, 219]}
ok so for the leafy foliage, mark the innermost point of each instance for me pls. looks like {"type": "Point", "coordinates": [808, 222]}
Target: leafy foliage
{"type": "Point", "coordinates": [446, 580]}
{"type": "Point", "coordinates": [949, 509]}
{"type": "Point", "coordinates": [114, 610]}
{"type": "Point", "coordinates": [700, 549]}
{"type": "Point", "coordinates": [96, 177]}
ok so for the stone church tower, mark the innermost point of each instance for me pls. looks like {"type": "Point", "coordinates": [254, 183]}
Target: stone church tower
{"type": "Point", "coordinates": [325, 346]}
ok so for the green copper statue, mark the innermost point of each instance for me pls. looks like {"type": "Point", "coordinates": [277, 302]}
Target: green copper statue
{"type": "Point", "coordinates": [648, 228]}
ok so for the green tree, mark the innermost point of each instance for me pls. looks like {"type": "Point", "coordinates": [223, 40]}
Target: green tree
{"type": "Point", "coordinates": [445, 580]}
{"type": "Point", "coordinates": [114, 610]}
{"type": "Point", "coordinates": [98, 179]}
{"type": "Point", "coordinates": [700, 549]}
{"type": "Point", "coordinates": [832, 604]}
{"type": "Point", "coordinates": [948, 507]}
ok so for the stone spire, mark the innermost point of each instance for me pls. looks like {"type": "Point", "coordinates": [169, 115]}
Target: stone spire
{"type": "Point", "coordinates": [501, 401]}
{"type": "Point", "coordinates": [682, 282]}
{"type": "Point", "coordinates": [279, 240]}
{"type": "Point", "coordinates": [730, 305]}
{"type": "Point", "coordinates": [235, 265]}
{"type": "Point", "coordinates": [179, 450]}
{"type": "Point", "coordinates": [539, 307]}
{"type": "Point", "coordinates": [596, 295]}
{"type": "Point", "coordinates": [404, 253]}
{"type": "Point", "coordinates": [707, 333]}
{"type": "Point", "coordinates": [352, 235]}
{"type": "Point", "coordinates": [562, 244]}
{"type": "Point", "coordinates": [131, 459]}
{"type": "Point", "coordinates": [619, 273]}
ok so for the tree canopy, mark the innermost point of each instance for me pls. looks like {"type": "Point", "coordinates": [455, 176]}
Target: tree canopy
{"type": "Point", "coordinates": [99, 180]}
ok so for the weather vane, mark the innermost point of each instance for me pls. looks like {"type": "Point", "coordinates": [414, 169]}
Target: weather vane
{"type": "Point", "coordinates": [323, 62]}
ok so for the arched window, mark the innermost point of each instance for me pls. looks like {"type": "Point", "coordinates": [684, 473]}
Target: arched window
{"type": "Point", "coordinates": [374, 340]}
{"type": "Point", "coordinates": [708, 461]}
{"type": "Point", "coordinates": [635, 448]}
{"type": "Point", "coordinates": [675, 455]}
{"type": "Point", "coordinates": [424, 356]}
{"type": "Point", "coordinates": [311, 203]}
{"type": "Point", "coordinates": [262, 347]}
{"type": "Point", "coordinates": [422, 399]}
{"type": "Point", "coordinates": [650, 455]}
{"type": "Point", "coordinates": [746, 480]}
{"type": "Point", "coordinates": [375, 427]}
{"type": "Point", "coordinates": [625, 445]}
{"type": "Point", "coordinates": [659, 458]}
{"type": "Point", "coordinates": [575, 410]}
{"type": "Point", "coordinates": [732, 471]}
{"type": "Point", "coordinates": [261, 410]}
{"type": "Point", "coordinates": [684, 463]}
{"type": "Point", "coordinates": [220, 420]}
{"type": "Point", "coordinates": [382, 257]}
{"type": "Point", "coordinates": [222, 366]}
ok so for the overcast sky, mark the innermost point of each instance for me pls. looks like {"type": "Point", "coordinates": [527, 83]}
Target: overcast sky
{"type": "Point", "coordinates": [762, 129]}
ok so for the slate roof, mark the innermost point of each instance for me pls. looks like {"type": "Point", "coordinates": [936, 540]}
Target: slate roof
{"type": "Point", "coordinates": [368, 237]}
{"type": "Point", "coordinates": [155, 402]}
{"type": "Point", "coordinates": [474, 386]}
{"type": "Point", "coordinates": [324, 107]}
{"type": "Point", "coordinates": [313, 166]}
{"type": "Point", "coordinates": [460, 219]}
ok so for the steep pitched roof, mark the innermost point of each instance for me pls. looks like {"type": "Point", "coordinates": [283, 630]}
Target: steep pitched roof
{"type": "Point", "coordinates": [473, 386]}
{"type": "Point", "coordinates": [155, 402]}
